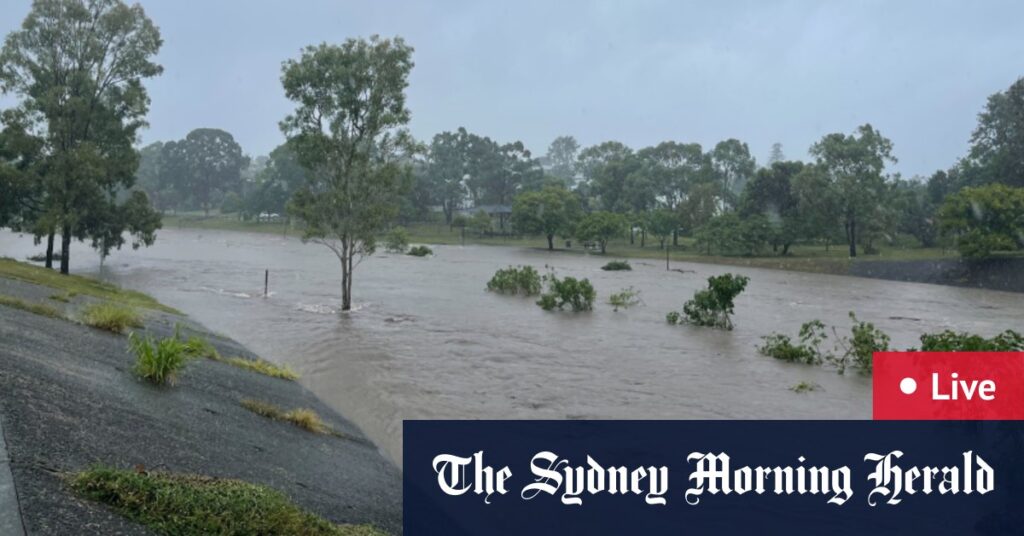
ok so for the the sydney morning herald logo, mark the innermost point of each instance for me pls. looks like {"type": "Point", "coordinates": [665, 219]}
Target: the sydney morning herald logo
{"type": "Point", "coordinates": [888, 482]}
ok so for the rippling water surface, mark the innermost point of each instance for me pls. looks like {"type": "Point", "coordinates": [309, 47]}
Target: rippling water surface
{"type": "Point", "coordinates": [427, 341]}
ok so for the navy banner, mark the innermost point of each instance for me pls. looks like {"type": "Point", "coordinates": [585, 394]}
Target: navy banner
{"type": "Point", "coordinates": [713, 477]}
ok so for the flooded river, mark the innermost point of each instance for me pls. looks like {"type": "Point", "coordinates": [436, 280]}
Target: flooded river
{"type": "Point", "coordinates": [427, 341]}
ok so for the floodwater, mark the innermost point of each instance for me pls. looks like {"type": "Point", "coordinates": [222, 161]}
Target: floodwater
{"type": "Point", "coordinates": [427, 341]}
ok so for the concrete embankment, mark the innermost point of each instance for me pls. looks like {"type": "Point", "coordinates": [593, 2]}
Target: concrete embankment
{"type": "Point", "coordinates": [69, 400]}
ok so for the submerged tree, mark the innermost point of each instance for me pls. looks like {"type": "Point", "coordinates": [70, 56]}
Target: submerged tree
{"type": "Point", "coordinates": [348, 131]}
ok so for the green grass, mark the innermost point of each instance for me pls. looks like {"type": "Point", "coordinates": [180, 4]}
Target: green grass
{"type": "Point", "coordinates": [262, 367]}
{"type": "Point", "coordinates": [194, 505]}
{"type": "Point", "coordinates": [158, 361]}
{"type": "Point", "coordinates": [112, 317]}
{"type": "Point", "coordinates": [75, 284]}
{"type": "Point", "coordinates": [36, 308]}
{"type": "Point", "coordinates": [306, 419]}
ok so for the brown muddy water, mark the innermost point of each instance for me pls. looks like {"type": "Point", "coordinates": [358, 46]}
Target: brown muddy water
{"type": "Point", "coordinates": [427, 341]}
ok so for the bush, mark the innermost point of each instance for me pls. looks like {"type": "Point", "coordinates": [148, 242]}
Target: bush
{"type": "Point", "coordinates": [713, 306]}
{"type": "Point", "coordinates": [617, 266]}
{"type": "Point", "coordinates": [579, 294]}
{"type": "Point", "coordinates": [420, 251]}
{"type": "Point", "coordinates": [950, 341]}
{"type": "Point", "coordinates": [625, 298]}
{"type": "Point", "coordinates": [158, 361]}
{"type": "Point", "coordinates": [858, 349]}
{"type": "Point", "coordinates": [397, 240]}
{"type": "Point", "coordinates": [673, 317]}
{"type": "Point", "coordinates": [523, 280]}
{"type": "Point", "coordinates": [111, 317]}
{"type": "Point", "coordinates": [192, 505]}
{"type": "Point", "coordinates": [808, 351]}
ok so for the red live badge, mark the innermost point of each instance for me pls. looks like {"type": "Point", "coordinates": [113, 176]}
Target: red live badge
{"type": "Point", "coordinates": [948, 386]}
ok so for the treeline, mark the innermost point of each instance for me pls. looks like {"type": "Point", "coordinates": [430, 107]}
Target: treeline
{"type": "Point", "coordinates": [728, 203]}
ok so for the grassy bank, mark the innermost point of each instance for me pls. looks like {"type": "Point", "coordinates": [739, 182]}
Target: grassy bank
{"type": "Point", "coordinates": [803, 258]}
{"type": "Point", "coordinates": [72, 285]}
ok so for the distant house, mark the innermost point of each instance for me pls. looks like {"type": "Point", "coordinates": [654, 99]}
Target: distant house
{"type": "Point", "coordinates": [500, 214]}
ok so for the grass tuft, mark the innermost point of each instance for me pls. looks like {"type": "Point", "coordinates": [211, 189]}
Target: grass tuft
{"type": "Point", "coordinates": [112, 317]}
{"type": "Point", "coordinates": [303, 418]}
{"type": "Point", "coordinates": [193, 505]}
{"type": "Point", "coordinates": [35, 308]}
{"type": "Point", "coordinates": [263, 367]}
{"type": "Point", "coordinates": [158, 361]}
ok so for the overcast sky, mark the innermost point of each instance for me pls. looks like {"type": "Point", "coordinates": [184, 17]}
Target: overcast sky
{"type": "Point", "coordinates": [637, 72]}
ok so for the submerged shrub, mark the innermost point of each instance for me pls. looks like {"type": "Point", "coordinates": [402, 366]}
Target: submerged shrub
{"type": "Point", "coordinates": [673, 317]}
{"type": "Point", "coordinates": [865, 340]}
{"type": "Point", "coordinates": [713, 306]}
{"type": "Point", "coordinates": [616, 266]}
{"type": "Point", "coordinates": [397, 240]}
{"type": "Point", "coordinates": [624, 298]}
{"type": "Point", "coordinates": [805, 387]}
{"type": "Point", "coordinates": [158, 361]}
{"type": "Point", "coordinates": [950, 341]}
{"type": "Point", "coordinates": [808, 351]}
{"type": "Point", "coordinates": [420, 251]}
{"type": "Point", "coordinates": [111, 317]}
{"type": "Point", "coordinates": [578, 294]}
{"type": "Point", "coordinates": [522, 280]}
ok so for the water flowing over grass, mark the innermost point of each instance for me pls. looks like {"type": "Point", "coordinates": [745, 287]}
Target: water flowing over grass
{"type": "Point", "coordinates": [194, 505]}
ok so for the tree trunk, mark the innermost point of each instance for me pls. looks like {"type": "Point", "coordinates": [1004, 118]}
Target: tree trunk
{"type": "Point", "coordinates": [853, 237]}
{"type": "Point", "coordinates": [603, 244]}
{"type": "Point", "coordinates": [49, 251]}
{"type": "Point", "coordinates": [675, 237]}
{"type": "Point", "coordinates": [785, 249]}
{"type": "Point", "coordinates": [643, 237]}
{"type": "Point", "coordinates": [65, 249]}
{"type": "Point", "coordinates": [346, 276]}
{"type": "Point", "coordinates": [631, 233]}
{"type": "Point", "coordinates": [551, 242]}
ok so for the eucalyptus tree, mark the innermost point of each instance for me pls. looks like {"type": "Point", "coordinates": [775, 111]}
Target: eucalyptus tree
{"type": "Point", "coordinates": [78, 66]}
{"type": "Point", "coordinates": [561, 158]}
{"type": "Point", "coordinates": [605, 168]}
{"type": "Point", "coordinates": [549, 212]}
{"type": "Point", "coordinates": [770, 194]}
{"type": "Point", "coordinates": [348, 130]}
{"type": "Point", "coordinates": [732, 166]}
{"type": "Point", "coordinates": [997, 144]}
{"type": "Point", "coordinates": [208, 161]}
{"type": "Point", "coordinates": [446, 170]}
{"type": "Point", "coordinates": [854, 165]}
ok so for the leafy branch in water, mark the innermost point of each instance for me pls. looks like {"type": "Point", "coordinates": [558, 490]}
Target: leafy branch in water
{"type": "Point", "coordinates": [523, 280]}
{"type": "Point", "coordinates": [713, 306]}
{"type": "Point", "coordinates": [578, 294]}
{"type": "Point", "coordinates": [625, 298]}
